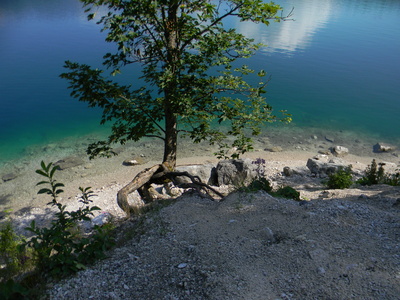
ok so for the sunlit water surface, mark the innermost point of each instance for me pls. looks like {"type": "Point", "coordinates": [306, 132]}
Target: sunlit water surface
{"type": "Point", "coordinates": [335, 66]}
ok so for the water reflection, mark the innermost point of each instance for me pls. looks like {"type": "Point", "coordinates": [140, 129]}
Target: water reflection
{"type": "Point", "coordinates": [290, 36]}
{"type": "Point", "coordinates": [28, 11]}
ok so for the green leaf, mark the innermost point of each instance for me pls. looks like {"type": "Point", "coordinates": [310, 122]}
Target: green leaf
{"type": "Point", "coordinates": [43, 165]}
{"type": "Point", "coordinates": [91, 16]}
{"type": "Point", "coordinates": [261, 73]}
{"type": "Point", "coordinates": [44, 191]}
{"type": "Point", "coordinates": [43, 182]}
{"type": "Point", "coordinates": [53, 170]}
{"type": "Point", "coordinates": [40, 172]}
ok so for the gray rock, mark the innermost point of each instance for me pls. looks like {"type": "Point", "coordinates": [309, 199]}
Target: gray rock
{"type": "Point", "coordinates": [235, 172]}
{"type": "Point", "coordinates": [130, 162]}
{"type": "Point", "coordinates": [101, 219]}
{"type": "Point", "coordinates": [322, 157]}
{"type": "Point", "coordinates": [9, 176]}
{"type": "Point", "coordinates": [182, 265]}
{"type": "Point", "coordinates": [287, 171]}
{"type": "Point", "coordinates": [69, 162]}
{"type": "Point", "coordinates": [274, 149]}
{"type": "Point", "coordinates": [204, 172]}
{"type": "Point", "coordinates": [329, 139]}
{"type": "Point", "coordinates": [268, 235]}
{"type": "Point", "coordinates": [381, 147]}
{"type": "Point", "coordinates": [322, 168]}
{"type": "Point", "coordinates": [340, 151]}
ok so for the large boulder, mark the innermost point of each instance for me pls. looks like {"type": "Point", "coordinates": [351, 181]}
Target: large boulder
{"type": "Point", "coordinates": [322, 166]}
{"type": "Point", "coordinates": [235, 172]}
{"type": "Point", "coordinates": [204, 172]}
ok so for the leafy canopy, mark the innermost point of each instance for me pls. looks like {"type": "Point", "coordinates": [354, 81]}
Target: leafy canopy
{"type": "Point", "coordinates": [186, 54]}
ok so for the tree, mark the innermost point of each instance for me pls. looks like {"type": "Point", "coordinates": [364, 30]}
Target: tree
{"type": "Point", "coordinates": [187, 57]}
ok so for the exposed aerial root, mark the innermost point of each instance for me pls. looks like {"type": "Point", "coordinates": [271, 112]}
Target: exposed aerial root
{"type": "Point", "coordinates": [159, 174]}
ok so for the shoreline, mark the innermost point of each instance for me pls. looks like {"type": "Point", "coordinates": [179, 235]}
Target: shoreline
{"type": "Point", "coordinates": [280, 148]}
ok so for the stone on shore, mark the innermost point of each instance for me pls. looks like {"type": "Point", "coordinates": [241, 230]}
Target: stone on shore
{"type": "Point", "coordinates": [274, 149]}
{"type": "Point", "coordinates": [287, 171]}
{"type": "Point", "coordinates": [340, 151]}
{"type": "Point", "coordinates": [69, 162]}
{"type": "Point", "coordinates": [133, 161]}
{"type": "Point", "coordinates": [235, 172]}
{"type": "Point", "coordinates": [381, 147]}
{"type": "Point", "coordinates": [204, 172]}
{"type": "Point", "coordinates": [324, 167]}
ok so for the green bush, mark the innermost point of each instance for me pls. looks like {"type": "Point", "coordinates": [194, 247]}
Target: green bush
{"type": "Point", "coordinates": [377, 175]}
{"type": "Point", "coordinates": [393, 179]}
{"type": "Point", "coordinates": [287, 192]}
{"type": "Point", "coordinates": [341, 179]}
{"type": "Point", "coordinates": [61, 249]}
{"type": "Point", "coordinates": [373, 175]}
{"type": "Point", "coordinates": [14, 260]}
{"type": "Point", "coordinates": [12, 290]}
{"type": "Point", "coordinates": [11, 255]}
{"type": "Point", "coordinates": [259, 184]}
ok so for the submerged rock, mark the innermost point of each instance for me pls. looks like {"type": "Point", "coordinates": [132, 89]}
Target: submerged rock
{"type": "Point", "coordinates": [330, 138]}
{"type": "Point", "coordinates": [9, 176]}
{"type": "Point", "coordinates": [69, 162]}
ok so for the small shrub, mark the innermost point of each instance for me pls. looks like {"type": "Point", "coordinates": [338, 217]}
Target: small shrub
{"type": "Point", "coordinates": [12, 257]}
{"type": "Point", "coordinates": [393, 179]}
{"type": "Point", "coordinates": [373, 174]}
{"type": "Point", "coordinates": [12, 290]}
{"type": "Point", "coordinates": [259, 184]}
{"type": "Point", "coordinates": [14, 261]}
{"type": "Point", "coordinates": [341, 179]}
{"type": "Point", "coordinates": [60, 249]}
{"type": "Point", "coordinates": [377, 175]}
{"type": "Point", "coordinates": [287, 192]}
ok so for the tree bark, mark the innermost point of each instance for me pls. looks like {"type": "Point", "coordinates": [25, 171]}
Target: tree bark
{"type": "Point", "coordinates": [171, 140]}
{"type": "Point", "coordinates": [140, 180]}
{"type": "Point", "coordinates": [171, 88]}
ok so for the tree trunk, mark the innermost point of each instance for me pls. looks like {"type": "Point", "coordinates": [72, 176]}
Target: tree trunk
{"type": "Point", "coordinates": [171, 140]}
{"type": "Point", "coordinates": [170, 90]}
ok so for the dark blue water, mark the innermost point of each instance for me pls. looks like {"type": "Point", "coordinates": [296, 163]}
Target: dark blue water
{"type": "Point", "coordinates": [336, 66]}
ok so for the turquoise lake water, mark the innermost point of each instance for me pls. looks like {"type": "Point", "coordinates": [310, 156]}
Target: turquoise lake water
{"type": "Point", "coordinates": [336, 66]}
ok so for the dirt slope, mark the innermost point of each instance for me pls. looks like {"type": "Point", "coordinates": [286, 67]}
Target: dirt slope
{"type": "Point", "coordinates": [254, 246]}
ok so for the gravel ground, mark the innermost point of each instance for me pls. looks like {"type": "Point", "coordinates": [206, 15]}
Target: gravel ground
{"type": "Point", "coordinates": [253, 246]}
